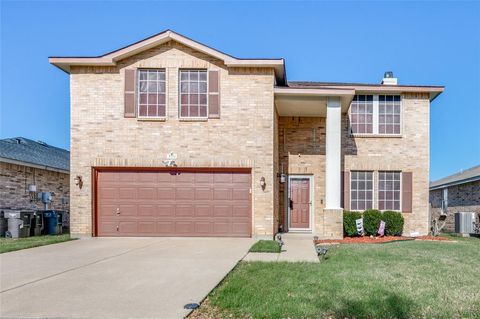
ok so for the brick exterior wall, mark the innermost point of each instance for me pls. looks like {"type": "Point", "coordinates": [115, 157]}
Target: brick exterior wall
{"type": "Point", "coordinates": [14, 181]}
{"type": "Point", "coordinates": [408, 153]}
{"type": "Point", "coordinates": [461, 198]}
{"type": "Point", "coordinates": [242, 137]}
{"type": "Point", "coordinates": [302, 142]}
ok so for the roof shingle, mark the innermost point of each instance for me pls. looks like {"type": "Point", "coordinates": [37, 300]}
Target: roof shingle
{"type": "Point", "coordinates": [38, 153]}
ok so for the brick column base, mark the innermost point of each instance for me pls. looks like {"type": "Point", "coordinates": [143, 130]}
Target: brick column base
{"type": "Point", "coordinates": [333, 223]}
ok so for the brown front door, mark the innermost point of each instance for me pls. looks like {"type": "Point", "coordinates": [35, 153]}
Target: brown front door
{"type": "Point", "coordinates": [300, 203]}
{"type": "Point", "coordinates": [176, 202]}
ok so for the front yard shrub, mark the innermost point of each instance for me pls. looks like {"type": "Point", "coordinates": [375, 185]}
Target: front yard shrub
{"type": "Point", "coordinates": [349, 226]}
{"type": "Point", "coordinates": [393, 223]}
{"type": "Point", "coordinates": [371, 221]}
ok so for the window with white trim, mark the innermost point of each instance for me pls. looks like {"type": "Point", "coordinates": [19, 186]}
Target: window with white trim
{"type": "Point", "coordinates": [389, 190]}
{"type": "Point", "coordinates": [151, 93]}
{"type": "Point", "coordinates": [389, 114]}
{"type": "Point", "coordinates": [361, 114]}
{"type": "Point", "coordinates": [375, 115]}
{"type": "Point", "coordinates": [193, 94]}
{"type": "Point", "coordinates": [361, 190]}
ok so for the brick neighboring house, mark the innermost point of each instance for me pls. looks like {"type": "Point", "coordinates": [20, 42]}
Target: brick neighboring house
{"type": "Point", "coordinates": [255, 153]}
{"type": "Point", "coordinates": [24, 162]}
{"type": "Point", "coordinates": [459, 192]}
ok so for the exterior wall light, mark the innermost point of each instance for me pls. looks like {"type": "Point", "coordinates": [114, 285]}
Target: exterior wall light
{"type": "Point", "coordinates": [262, 183]}
{"type": "Point", "coordinates": [78, 181]}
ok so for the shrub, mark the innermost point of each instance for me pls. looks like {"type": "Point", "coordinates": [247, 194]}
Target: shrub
{"type": "Point", "coordinates": [393, 223]}
{"type": "Point", "coordinates": [349, 226]}
{"type": "Point", "coordinates": [371, 221]}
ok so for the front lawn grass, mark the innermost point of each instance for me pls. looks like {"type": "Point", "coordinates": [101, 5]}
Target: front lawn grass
{"type": "Point", "coordinates": [265, 246]}
{"type": "Point", "coordinates": [10, 244]}
{"type": "Point", "coordinates": [411, 279]}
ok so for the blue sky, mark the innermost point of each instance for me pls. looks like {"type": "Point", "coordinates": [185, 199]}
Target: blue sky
{"type": "Point", "coordinates": [422, 42]}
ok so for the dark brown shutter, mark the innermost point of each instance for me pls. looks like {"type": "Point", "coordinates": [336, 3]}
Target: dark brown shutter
{"type": "Point", "coordinates": [346, 190]}
{"type": "Point", "coordinates": [213, 95]}
{"type": "Point", "coordinates": [129, 93]}
{"type": "Point", "coordinates": [406, 192]}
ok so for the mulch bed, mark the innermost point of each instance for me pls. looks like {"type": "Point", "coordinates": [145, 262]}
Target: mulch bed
{"type": "Point", "coordinates": [376, 240]}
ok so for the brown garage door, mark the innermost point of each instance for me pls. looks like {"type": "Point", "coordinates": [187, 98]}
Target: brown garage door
{"type": "Point", "coordinates": [173, 203]}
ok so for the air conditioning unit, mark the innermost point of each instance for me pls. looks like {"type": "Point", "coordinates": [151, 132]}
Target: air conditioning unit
{"type": "Point", "coordinates": [464, 222]}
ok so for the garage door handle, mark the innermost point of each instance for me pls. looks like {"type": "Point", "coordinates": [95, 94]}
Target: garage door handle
{"type": "Point", "coordinates": [118, 211]}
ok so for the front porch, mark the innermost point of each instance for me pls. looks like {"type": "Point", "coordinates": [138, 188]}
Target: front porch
{"type": "Point", "coordinates": [310, 125]}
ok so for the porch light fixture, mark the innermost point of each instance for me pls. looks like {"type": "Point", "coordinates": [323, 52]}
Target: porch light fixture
{"type": "Point", "coordinates": [262, 183]}
{"type": "Point", "coordinates": [78, 181]}
{"type": "Point", "coordinates": [170, 161]}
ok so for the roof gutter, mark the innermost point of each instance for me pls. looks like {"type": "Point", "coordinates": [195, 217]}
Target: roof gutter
{"type": "Point", "coordinates": [22, 163]}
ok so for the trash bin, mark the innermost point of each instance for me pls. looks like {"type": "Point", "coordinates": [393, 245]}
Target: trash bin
{"type": "Point", "coordinates": [19, 224]}
{"type": "Point", "coordinates": [50, 220]}
{"type": "Point", "coordinates": [36, 225]}
{"type": "Point", "coordinates": [3, 224]}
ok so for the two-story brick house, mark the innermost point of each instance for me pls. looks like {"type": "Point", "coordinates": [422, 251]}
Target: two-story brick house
{"type": "Point", "coordinates": [254, 153]}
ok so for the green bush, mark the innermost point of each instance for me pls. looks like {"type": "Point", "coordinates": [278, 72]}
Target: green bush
{"type": "Point", "coordinates": [349, 226]}
{"type": "Point", "coordinates": [393, 223]}
{"type": "Point", "coordinates": [371, 221]}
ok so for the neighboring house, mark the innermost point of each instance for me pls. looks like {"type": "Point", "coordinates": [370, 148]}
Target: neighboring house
{"type": "Point", "coordinates": [459, 192]}
{"type": "Point", "coordinates": [254, 153]}
{"type": "Point", "coordinates": [27, 168]}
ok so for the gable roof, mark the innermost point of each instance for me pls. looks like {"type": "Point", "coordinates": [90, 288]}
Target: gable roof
{"type": "Point", "coordinates": [466, 176]}
{"type": "Point", "coordinates": [23, 151]}
{"type": "Point", "coordinates": [111, 58]}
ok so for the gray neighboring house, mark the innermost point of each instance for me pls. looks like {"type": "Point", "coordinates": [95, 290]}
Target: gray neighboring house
{"type": "Point", "coordinates": [459, 192]}
{"type": "Point", "coordinates": [28, 167]}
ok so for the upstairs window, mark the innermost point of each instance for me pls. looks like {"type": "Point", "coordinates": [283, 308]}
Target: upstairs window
{"type": "Point", "coordinates": [389, 114]}
{"type": "Point", "coordinates": [361, 114]}
{"type": "Point", "coordinates": [151, 94]}
{"type": "Point", "coordinates": [193, 94]}
{"type": "Point", "coordinates": [361, 190]}
{"type": "Point", "coordinates": [375, 115]}
{"type": "Point", "coordinates": [389, 189]}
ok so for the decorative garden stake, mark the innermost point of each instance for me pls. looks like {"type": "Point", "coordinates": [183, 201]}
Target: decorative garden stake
{"type": "Point", "coordinates": [381, 229]}
{"type": "Point", "coordinates": [359, 223]}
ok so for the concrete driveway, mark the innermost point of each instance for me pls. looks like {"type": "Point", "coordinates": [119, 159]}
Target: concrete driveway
{"type": "Point", "coordinates": [115, 277]}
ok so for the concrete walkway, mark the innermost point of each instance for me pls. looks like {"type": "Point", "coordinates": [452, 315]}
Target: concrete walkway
{"type": "Point", "coordinates": [297, 248]}
{"type": "Point", "coordinates": [115, 277]}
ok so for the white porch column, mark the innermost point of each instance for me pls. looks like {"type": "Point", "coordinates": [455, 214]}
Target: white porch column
{"type": "Point", "coordinates": [333, 154]}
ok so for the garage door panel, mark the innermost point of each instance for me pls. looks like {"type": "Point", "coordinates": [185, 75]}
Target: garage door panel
{"type": "Point", "coordinates": [202, 178]}
{"type": "Point", "coordinates": [240, 227]}
{"type": "Point", "coordinates": [184, 210]}
{"type": "Point", "coordinates": [128, 177]}
{"type": "Point", "coordinates": [166, 227]}
{"type": "Point", "coordinates": [185, 177]}
{"type": "Point", "coordinates": [203, 193]}
{"type": "Point", "coordinates": [221, 227]}
{"type": "Point", "coordinates": [127, 193]}
{"type": "Point", "coordinates": [204, 210]}
{"type": "Point", "coordinates": [128, 227]}
{"type": "Point", "coordinates": [128, 210]}
{"type": "Point", "coordinates": [172, 203]}
{"type": "Point", "coordinates": [222, 194]}
{"type": "Point", "coordinates": [241, 194]}
{"type": "Point", "coordinates": [184, 227]}
{"type": "Point", "coordinates": [108, 193]}
{"type": "Point", "coordinates": [241, 211]}
{"type": "Point", "coordinates": [146, 227]}
{"type": "Point", "coordinates": [147, 193]}
{"type": "Point", "coordinates": [241, 178]}
{"type": "Point", "coordinates": [184, 193]}
{"type": "Point", "coordinates": [205, 227]}
{"type": "Point", "coordinates": [165, 193]}
{"type": "Point", "coordinates": [222, 178]}
{"type": "Point", "coordinates": [222, 211]}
